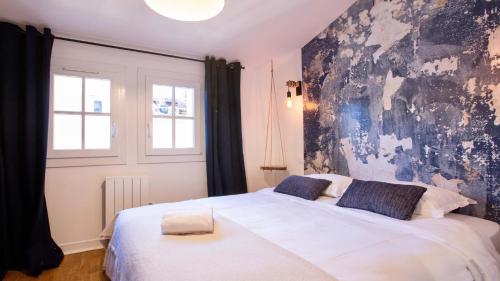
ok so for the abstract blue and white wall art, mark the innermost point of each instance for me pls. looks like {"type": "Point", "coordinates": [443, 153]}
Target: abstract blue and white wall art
{"type": "Point", "coordinates": [408, 90]}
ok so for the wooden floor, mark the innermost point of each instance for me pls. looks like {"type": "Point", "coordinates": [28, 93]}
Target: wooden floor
{"type": "Point", "coordinates": [86, 266]}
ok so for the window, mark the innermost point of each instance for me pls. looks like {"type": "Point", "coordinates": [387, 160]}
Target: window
{"type": "Point", "coordinates": [172, 118]}
{"type": "Point", "coordinates": [84, 112]}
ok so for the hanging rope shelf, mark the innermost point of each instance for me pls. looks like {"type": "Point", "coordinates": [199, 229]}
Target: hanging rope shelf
{"type": "Point", "coordinates": [272, 111]}
{"type": "Point", "coordinates": [273, 168]}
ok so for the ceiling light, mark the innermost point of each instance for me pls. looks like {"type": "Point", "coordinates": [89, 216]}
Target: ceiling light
{"type": "Point", "coordinates": [187, 10]}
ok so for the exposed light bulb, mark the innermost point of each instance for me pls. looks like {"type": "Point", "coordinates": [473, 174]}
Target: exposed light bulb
{"type": "Point", "coordinates": [289, 102]}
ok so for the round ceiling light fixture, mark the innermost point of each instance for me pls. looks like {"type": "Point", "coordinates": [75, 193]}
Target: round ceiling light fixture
{"type": "Point", "coordinates": [187, 10]}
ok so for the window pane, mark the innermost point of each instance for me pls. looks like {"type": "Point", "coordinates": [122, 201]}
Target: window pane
{"type": "Point", "coordinates": [162, 133]}
{"type": "Point", "coordinates": [97, 132]}
{"type": "Point", "coordinates": [184, 133]}
{"type": "Point", "coordinates": [67, 93]}
{"type": "Point", "coordinates": [162, 100]}
{"type": "Point", "coordinates": [67, 131]}
{"type": "Point", "coordinates": [184, 101]}
{"type": "Point", "coordinates": [97, 95]}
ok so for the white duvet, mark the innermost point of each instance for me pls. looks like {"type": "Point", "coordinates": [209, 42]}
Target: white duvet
{"type": "Point", "coordinates": [345, 243]}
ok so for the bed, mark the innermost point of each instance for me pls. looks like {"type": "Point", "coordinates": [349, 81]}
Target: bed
{"type": "Point", "coordinates": [270, 236]}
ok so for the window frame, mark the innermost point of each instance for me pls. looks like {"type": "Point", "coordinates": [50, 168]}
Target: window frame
{"type": "Point", "coordinates": [146, 152]}
{"type": "Point", "coordinates": [87, 157]}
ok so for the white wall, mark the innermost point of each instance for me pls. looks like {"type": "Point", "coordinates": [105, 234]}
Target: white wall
{"type": "Point", "coordinates": [255, 86]}
{"type": "Point", "coordinates": [74, 194]}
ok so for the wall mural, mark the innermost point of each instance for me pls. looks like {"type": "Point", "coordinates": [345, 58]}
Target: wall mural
{"type": "Point", "coordinates": [408, 90]}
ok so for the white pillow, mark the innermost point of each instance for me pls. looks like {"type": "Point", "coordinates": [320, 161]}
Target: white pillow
{"type": "Point", "coordinates": [437, 202]}
{"type": "Point", "coordinates": [440, 181]}
{"type": "Point", "coordinates": [338, 186]}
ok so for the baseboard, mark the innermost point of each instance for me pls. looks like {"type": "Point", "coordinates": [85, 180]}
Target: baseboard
{"type": "Point", "coordinates": [81, 246]}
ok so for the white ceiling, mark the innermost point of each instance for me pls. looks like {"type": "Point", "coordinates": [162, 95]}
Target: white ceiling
{"type": "Point", "coordinates": [246, 29]}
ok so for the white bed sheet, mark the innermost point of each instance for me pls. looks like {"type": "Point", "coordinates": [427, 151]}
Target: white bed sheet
{"type": "Point", "coordinates": [488, 230]}
{"type": "Point", "coordinates": [347, 244]}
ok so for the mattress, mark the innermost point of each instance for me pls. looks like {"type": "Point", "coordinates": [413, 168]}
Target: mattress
{"type": "Point", "coordinates": [345, 244]}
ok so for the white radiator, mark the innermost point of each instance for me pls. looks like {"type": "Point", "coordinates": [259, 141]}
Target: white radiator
{"type": "Point", "coordinates": [124, 192]}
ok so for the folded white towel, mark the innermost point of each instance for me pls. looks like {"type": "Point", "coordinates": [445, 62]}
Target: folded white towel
{"type": "Point", "coordinates": [189, 221]}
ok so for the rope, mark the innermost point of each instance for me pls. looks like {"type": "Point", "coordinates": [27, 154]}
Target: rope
{"type": "Point", "coordinates": [279, 127]}
{"type": "Point", "coordinates": [269, 127]}
{"type": "Point", "coordinates": [268, 119]}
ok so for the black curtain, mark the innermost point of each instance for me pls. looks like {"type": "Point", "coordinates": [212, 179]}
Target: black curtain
{"type": "Point", "coordinates": [26, 242]}
{"type": "Point", "coordinates": [225, 165]}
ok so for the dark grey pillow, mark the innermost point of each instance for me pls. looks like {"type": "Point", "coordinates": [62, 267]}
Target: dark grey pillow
{"type": "Point", "coordinates": [304, 187]}
{"type": "Point", "coordinates": [394, 200]}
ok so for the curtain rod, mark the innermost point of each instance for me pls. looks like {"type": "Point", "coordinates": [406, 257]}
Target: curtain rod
{"type": "Point", "coordinates": [129, 49]}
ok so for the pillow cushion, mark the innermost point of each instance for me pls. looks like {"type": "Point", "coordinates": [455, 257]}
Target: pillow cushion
{"type": "Point", "coordinates": [337, 187]}
{"type": "Point", "coordinates": [437, 202]}
{"type": "Point", "coordinates": [307, 188]}
{"type": "Point", "coordinates": [452, 185]}
{"type": "Point", "coordinates": [394, 200]}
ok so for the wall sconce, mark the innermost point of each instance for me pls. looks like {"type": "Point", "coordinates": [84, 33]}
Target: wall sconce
{"type": "Point", "coordinates": [298, 91]}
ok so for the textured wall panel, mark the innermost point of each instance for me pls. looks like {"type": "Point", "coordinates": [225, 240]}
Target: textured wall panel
{"type": "Point", "coordinates": [405, 90]}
